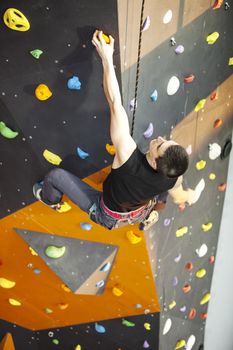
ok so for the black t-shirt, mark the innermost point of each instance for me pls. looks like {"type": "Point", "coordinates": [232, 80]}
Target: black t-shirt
{"type": "Point", "coordinates": [134, 184]}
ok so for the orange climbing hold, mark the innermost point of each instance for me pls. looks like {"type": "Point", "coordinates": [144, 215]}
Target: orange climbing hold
{"type": "Point", "coordinates": [211, 259]}
{"type": "Point", "coordinates": [214, 96]}
{"type": "Point", "coordinates": [203, 316]}
{"type": "Point", "coordinates": [189, 78]}
{"type": "Point", "coordinates": [189, 266]}
{"type": "Point", "coordinates": [222, 187]}
{"type": "Point", "coordinates": [217, 4]}
{"type": "Point", "coordinates": [186, 289]}
{"type": "Point", "coordinates": [217, 123]}
{"type": "Point", "coordinates": [192, 313]}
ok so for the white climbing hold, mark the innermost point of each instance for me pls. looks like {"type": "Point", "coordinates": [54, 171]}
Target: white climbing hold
{"type": "Point", "coordinates": [173, 86]}
{"type": "Point", "coordinates": [167, 326]}
{"type": "Point", "coordinates": [191, 341]}
{"type": "Point", "coordinates": [189, 149]}
{"type": "Point", "coordinates": [167, 17]}
{"type": "Point", "coordinates": [198, 190]}
{"type": "Point", "coordinates": [202, 250]}
{"type": "Point", "coordinates": [133, 103]}
{"type": "Point", "coordinates": [214, 150]}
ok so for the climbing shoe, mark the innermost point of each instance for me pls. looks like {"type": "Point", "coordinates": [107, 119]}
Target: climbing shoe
{"type": "Point", "coordinates": [37, 188]}
{"type": "Point", "coordinates": [149, 221]}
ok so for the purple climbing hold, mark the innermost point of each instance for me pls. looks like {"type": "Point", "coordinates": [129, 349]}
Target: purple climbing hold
{"type": "Point", "coordinates": [177, 258]}
{"type": "Point", "coordinates": [183, 308]}
{"type": "Point", "coordinates": [175, 281]}
{"type": "Point", "coordinates": [146, 345]}
{"type": "Point", "coordinates": [167, 222]}
{"type": "Point", "coordinates": [146, 24]}
{"type": "Point", "coordinates": [179, 49]}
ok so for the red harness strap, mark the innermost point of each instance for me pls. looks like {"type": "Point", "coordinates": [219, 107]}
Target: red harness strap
{"type": "Point", "coordinates": [117, 215]}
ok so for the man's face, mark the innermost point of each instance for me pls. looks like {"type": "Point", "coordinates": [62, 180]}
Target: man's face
{"type": "Point", "coordinates": [157, 148]}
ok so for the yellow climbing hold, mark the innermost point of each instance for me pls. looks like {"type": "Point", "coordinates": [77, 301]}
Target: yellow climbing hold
{"type": "Point", "coordinates": [48, 310]}
{"type": "Point", "coordinates": [205, 299]}
{"type": "Point", "coordinates": [110, 149]}
{"type": "Point", "coordinates": [172, 305]}
{"type": "Point", "coordinates": [207, 227]}
{"type": "Point", "coordinates": [212, 38]}
{"type": "Point", "coordinates": [66, 289]}
{"type": "Point", "coordinates": [201, 273]}
{"type": "Point", "coordinates": [182, 231]}
{"type": "Point", "coordinates": [200, 165]}
{"type": "Point", "coordinates": [64, 207]}
{"type": "Point", "coordinates": [14, 302]}
{"type": "Point", "coordinates": [5, 283]}
{"type": "Point", "coordinates": [63, 306]}
{"type": "Point", "coordinates": [78, 347]}
{"type": "Point", "coordinates": [147, 326]}
{"type": "Point", "coordinates": [212, 176]}
{"type": "Point", "coordinates": [106, 38]}
{"type": "Point", "coordinates": [51, 157]}
{"type": "Point", "coordinates": [133, 237]}
{"type": "Point", "coordinates": [230, 62]}
{"type": "Point", "coordinates": [200, 105]}
{"type": "Point", "coordinates": [33, 252]}
{"type": "Point", "coordinates": [43, 92]}
{"type": "Point", "coordinates": [14, 19]}
{"type": "Point", "coordinates": [117, 291]}
{"type": "Point", "coordinates": [180, 344]}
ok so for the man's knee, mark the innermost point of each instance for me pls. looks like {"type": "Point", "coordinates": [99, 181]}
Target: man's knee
{"type": "Point", "coordinates": [56, 174]}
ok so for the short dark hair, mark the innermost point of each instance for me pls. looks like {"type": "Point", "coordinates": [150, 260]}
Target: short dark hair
{"type": "Point", "coordinates": [174, 162]}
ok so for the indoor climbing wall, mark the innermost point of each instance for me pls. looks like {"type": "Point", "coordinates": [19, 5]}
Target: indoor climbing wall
{"type": "Point", "coordinates": [184, 92]}
{"type": "Point", "coordinates": [65, 282]}
{"type": "Point", "coordinates": [184, 84]}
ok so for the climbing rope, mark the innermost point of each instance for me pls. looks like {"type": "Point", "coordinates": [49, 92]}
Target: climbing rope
{"type": "Point", "coordinates": [138, 67]}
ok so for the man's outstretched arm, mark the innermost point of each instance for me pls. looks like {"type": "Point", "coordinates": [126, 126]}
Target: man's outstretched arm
{"type": "Point", "coordinates": [181, 196]}
{"type": "Point", "coordinates": [119, 125]}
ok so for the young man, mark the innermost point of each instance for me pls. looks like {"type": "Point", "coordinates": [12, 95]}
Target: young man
{"type": "Point", "coordinates": [136, 181]}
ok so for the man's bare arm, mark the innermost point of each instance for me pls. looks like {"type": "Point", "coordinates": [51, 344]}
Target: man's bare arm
{"type": "Point", "coordinates": [119, 125]}
{"type": "Point", "coordinates": [181, 196]}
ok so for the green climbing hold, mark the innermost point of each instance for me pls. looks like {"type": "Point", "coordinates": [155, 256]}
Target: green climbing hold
{"type": "Point", "coordinates": [55, 341]}
{"type": "Point", "coordinates": [36, 53]}
{"type": "Point", "coordinates": [7, 132]}
{"type": "Point", "coordinates": [127, 323]}
{"type": "Point", "coordinates": [54, 252]}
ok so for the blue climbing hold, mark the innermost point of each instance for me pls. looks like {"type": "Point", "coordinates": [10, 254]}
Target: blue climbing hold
{"type": "Point", "coordinates": [74, 83]}
{"type": "Point", "coordinates": [154, 96]}
{"type": "Point", "coordinates": [82, 154]}
{"type": "Point", "coordinates": [86, 226]}
{"type": "Point", "coordinates": [99, 328]}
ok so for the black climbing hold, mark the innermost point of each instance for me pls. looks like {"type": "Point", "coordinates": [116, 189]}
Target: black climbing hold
{"type": "Point", "coordinates": [226, 149]}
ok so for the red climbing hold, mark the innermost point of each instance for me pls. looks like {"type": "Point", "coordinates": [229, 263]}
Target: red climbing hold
{"type": "Point", "coordinates": [203, 316]}
{"type": "Point", "coordinates": [217, 4]}
{"type": "Point", "coordinates": [217, 123]}
{"type": "Point", "coordinates": [211, 259]}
